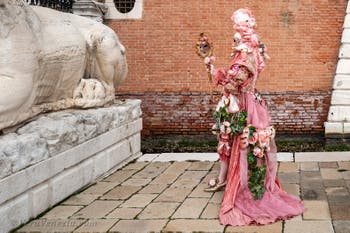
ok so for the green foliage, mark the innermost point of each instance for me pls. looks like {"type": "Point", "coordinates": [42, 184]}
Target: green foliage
{"type": "Point", "coordinates": [237, 120]}
{"type": "Point", "coordinates": [256, 174]}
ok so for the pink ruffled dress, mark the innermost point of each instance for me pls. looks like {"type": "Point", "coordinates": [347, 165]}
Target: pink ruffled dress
{"type": "Point", "coordinates": [238, 205]}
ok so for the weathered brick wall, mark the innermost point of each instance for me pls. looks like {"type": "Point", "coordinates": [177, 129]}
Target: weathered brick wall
{"type": "Point", "coordinates": [292, 112]}
{"type": "Point", "coordinates": [302, 36]}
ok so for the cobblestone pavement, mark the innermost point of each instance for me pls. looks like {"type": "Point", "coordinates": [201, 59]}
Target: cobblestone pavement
{"type": "Point", "coordinates": [168, 196]}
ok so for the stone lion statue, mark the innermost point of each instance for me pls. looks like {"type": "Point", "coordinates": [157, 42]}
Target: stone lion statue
{"type": "Point", "coordinates": [51, 61]}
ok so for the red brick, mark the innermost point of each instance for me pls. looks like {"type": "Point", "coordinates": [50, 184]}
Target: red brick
{"type": "Point", "coordinates": [302, 37]}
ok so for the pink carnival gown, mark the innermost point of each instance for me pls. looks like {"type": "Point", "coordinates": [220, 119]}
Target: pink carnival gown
{"type": "Point", "coordinates": [238, 205]}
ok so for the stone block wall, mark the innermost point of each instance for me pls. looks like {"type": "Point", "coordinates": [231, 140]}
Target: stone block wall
{"type": "Point", "coordinates": [337, 127]}
{"type": "Point", "coordinates": [50, 158]}
{"type": "Point", "coordinates": [302, 37]}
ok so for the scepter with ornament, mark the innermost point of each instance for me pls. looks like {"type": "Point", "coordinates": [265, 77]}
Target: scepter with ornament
{"type": "Point", "coordinates": [205, 49]}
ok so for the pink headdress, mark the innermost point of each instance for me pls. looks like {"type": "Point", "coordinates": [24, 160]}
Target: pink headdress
{"type": "Point", "coordinates": [244, 23]}
{"type": "Point", "coordinates": [243, 18]}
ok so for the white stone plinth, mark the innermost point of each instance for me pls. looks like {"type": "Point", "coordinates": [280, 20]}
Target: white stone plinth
{"type": "Point", "coordinates": [104, 140]}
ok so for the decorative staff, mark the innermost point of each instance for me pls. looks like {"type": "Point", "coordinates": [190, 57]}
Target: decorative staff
{"type": "Point", "coordinates": [204, 49]}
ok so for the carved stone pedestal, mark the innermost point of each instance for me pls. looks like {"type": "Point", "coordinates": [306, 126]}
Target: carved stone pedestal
{"type": "Point", "coordinates": [50, 158]}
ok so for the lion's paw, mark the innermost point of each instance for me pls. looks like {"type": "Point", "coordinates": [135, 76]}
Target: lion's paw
{"type": "Point", "coordinates": [90, 93]}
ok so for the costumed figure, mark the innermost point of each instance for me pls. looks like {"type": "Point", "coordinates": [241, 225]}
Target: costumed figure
{"type": "Point", "coordinates": [247, 150]}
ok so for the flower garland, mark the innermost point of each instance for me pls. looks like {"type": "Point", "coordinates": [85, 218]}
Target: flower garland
{"type": "Point", "coordinates": [234, 122]}
{"type": "Point", "coordinates": [258, 143]}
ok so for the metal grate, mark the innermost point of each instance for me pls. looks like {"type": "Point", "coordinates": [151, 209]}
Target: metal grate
{"type": "Point", "coordinates": [61, 5]}
{"type": "Point", "coordinates": [124, 6]}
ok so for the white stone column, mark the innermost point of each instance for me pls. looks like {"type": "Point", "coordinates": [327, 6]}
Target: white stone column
{"type": "Point", "coordinates": [338, 123]}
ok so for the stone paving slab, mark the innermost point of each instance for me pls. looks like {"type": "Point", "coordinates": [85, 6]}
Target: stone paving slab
{"type": "Point", "coordinates": [341, 226]}
{"type": "Point", "coordinates": [174, 194]}
{"type": "Point", "coordinates": [154, 188]}
{"type": "Point", "coordinates": [308, 226]}
{"type": "Point", "coordinates": [120, 176]}
{"type": "Point", "coordinates": [190, 208]}
{"type": "Point", "coordinates": [62, 212]}
{"type": "Point", "coordinates": [271, 228]}
{"type": "Point", "coordinates": [328, 164]}
{"type": "Point", "coordinates": [201, 166]}
{"type": "Point", "coordinates": [80, 199]}
{"type": "Point", "coordinates": [288, 167]}
{"type": "Point", "coordinates": [121, 192]}
{"type": "Point", "coordinates": [309, 166]}
{"type": "Point", "coordinates": [139, 226]}
{"type": "Point", "coordinates": [291, 188]}
{"type": "Point", "coordinates": [316, 210]}
{"type": "Point", "coordinates": [97, 209]}
{"type": "Point", "coordinates": [96, 225]}
{"type": "Point", "coordinates": [159, 210]}
{"type": "Point", "coordinates": [51, 225]}
{"type": "Point", "coordinates": [135, 166]}
{"type": "Point", "coordinates": [139, 200]}
{"type": "Point", "coordinates": [124, 213]}
{"type": "Point", "coordinates": [340, 212]}
{"type": "Point", "coordinates": [100, 188]}
{"type": "Point", "coordinates": [193, 225]}
{"type": "Point", "coordinates": [211, 211]}
{"type": "Point", "coordinates": [136, 182]}
{"type": "Point", "coordinates": [168, 196]}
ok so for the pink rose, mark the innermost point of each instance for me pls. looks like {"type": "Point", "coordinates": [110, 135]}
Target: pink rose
{"type": "Point", "coordinates": [264, 135]}
{"type": "Point", "coordinates": [258, 152]}
{"type": "Point", "coordinates": [212, 59]}
{"type": "Point", "coordinates": [226, 123]}
{"type": "Point", "coordinates": [225, 128]}
{"type": "Point", "coordinates": [252, 140]}
{"type": "Point", "coordinates": [263, 144]}
{"type": "Point", "coordinates": [207, 60]}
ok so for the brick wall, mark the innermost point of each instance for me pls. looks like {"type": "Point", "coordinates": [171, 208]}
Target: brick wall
{"type": "Point", "coordinates": [302, 36]}
{"type": "Point", "coordinates": [292, 112]}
